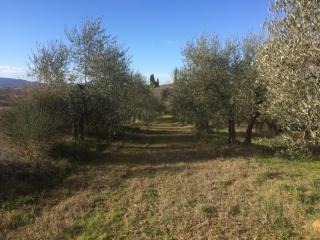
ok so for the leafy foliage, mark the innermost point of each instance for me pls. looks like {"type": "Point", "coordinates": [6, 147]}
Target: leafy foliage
{"type": "Point", "coordinates": [289, 68]}
{"type": "Point", "coordinates": [87, 80]}
{"type": "Point", "coordinates": [217, 83]}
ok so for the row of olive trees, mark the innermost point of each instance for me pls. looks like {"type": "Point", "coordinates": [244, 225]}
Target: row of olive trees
{"type": "Point", "coordinates": [279, 78]}
{"type": "Point", "coordinates": [217, 87]}
{"type": "Point", "coordinates": [86, 84]}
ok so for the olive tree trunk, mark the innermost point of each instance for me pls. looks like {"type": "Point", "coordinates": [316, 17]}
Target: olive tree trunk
{"type": "Point", "coordinates": [232, 131]}
{"type": "Point", "coordinates": [248, 136]}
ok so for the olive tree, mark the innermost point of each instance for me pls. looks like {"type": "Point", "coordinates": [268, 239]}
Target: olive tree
{"type": "Point", "coordinates": [92, 72]}
{"type": "Point", "coordinates": [197, 88]}
{"type": "Point", "coordinates": [218, 84]}
{"type": "Point", "coordinates": [88, 43]}
{"type": "Point", "coordinates": [289, 64]}
{"type": "Point", "coordinates": [251, 93]}
{"type": "Point", "coordinates": [205, 89]}
{"type": "Point", "coordinates": [144, 103]}
{"type": "Point", "coordinates": [109, 90]}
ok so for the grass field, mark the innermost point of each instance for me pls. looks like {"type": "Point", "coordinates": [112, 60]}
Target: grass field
{"type": "Point", "coordinates": [162, 184]}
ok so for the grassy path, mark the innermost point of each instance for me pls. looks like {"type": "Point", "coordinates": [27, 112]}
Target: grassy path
{"type": "Point", "coordinates": [161, 184]}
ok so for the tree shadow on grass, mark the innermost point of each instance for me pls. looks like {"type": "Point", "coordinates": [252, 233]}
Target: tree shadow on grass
{"type": "Point", "coordinates": [187, 154]}
{"type": "Point", "coordinates": [142, 148]}
{"type": "Point", "coordinates": [23, 177]}
{"type": "Point", "coordinates": [161, 137]}
{"type": "Point", "coordinates": [166, 148]}
{"type": "Point", "coordinates": [152, 171]}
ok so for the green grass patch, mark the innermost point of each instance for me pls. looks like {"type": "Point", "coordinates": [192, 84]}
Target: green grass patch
{"type": "Point", "coordinates": [100, 224]}
{"type": "Point", "coordinates": [276, 217]}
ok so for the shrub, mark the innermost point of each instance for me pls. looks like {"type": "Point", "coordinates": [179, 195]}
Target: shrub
{"type": "Point", "coordinates": [34, 122]}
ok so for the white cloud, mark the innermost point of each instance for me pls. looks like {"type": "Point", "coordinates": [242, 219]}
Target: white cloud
{"type": "Point", "coordinates": [6, 69]}
{"type": "Point", "coordinates": [13, 72]}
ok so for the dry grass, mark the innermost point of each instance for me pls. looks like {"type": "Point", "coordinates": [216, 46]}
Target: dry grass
{"type": "Point", "coordinates": [161, 184]}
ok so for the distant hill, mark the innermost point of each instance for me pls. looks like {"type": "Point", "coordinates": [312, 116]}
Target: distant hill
{"type": "Point", "coordinates": [9, 95]}
{"type": "Point", "coordinates": [11, 89]}
{"type": "Point", "coordinates": [14, 83]}
{"type": "Point", "coordinates": [166, 86]}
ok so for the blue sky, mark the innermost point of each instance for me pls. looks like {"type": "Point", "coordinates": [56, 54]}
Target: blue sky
{"type": "Point", "coordinates": [154, 32]}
